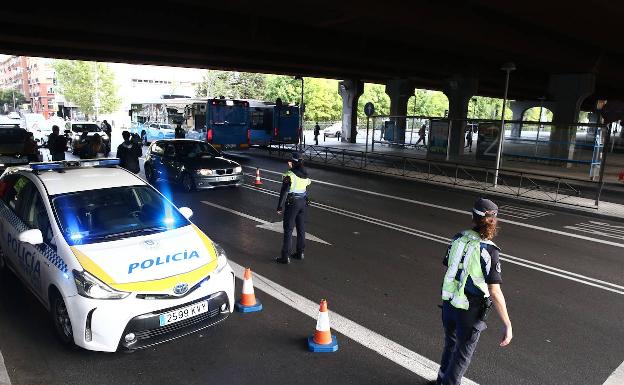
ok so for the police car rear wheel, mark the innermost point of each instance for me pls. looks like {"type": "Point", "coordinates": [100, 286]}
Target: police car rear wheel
{"type": "Point", "coordinates": [61, 320]}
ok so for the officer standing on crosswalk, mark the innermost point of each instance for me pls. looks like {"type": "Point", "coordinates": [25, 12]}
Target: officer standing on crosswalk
{"type": "Point", "coordinates": [471, 285]}
{"type": "Point", "coordinates": [295, 198]}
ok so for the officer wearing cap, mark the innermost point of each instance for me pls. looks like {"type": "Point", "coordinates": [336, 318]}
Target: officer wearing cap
{"type": "Point", "coordinates": [471, 286]}
{"type": "Point", "coordinates": [294, 197]}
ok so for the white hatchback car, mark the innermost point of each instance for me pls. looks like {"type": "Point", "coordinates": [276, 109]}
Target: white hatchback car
{"type": "Point", "coordinates": [117, 264]}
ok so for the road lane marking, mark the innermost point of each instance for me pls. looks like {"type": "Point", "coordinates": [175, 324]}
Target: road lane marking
{"type": "Point", "coordinates": [604, 285]}
{"type": "Point", "coordinates": [410, 360]}
{"type": "Point", "coordinates": [266, 225]}
{"type": "Point", "coordinates": [617, 377]}
{"type": "Point", "coordinates": [521, 212]}
{"type": "Point", "coordinates": [4, 375]}
{"type": "Point", "coordinates": [534, 227]}
{"type": "Point", "coordinates": [599, 228]}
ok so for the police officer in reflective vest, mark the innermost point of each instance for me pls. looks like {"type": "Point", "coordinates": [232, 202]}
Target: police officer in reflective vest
{"type": "Point", "coordinates": [471, 286]}
{"type": "Point", "coordinates": [294, 195]}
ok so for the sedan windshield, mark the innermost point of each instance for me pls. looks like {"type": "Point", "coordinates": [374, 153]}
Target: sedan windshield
{"type": "Point", "coordinates": [194, 149]}
{"type": "Point", "coordinates": [113, 213]}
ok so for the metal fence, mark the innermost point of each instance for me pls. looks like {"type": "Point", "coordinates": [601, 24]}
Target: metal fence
{"type": "Point", "coordinates": [528, 185]}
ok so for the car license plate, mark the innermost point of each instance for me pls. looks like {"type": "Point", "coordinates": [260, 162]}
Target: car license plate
{"type": "Point", "coordinates": [225, 178]}
{"type": "Point", "coordinates": [229, 146]}
{"type": "Point", "coordinates": [183, 313]}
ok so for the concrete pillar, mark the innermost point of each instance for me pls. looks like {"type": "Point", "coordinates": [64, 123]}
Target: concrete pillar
{"type": "Point", "coordinates": [399, 91]}
{"type": "Point", "coordinates": [568, 92]}
{"type": "Point", "coordinates": [350, 91]}
{"type": "Point", "coordinates": [518, 108]}
{"type": "Point", "coordinates": [459, 90]}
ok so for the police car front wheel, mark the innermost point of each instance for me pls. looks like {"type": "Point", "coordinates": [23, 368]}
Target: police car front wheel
{"type": "Point", "coordinates": [60, 317]}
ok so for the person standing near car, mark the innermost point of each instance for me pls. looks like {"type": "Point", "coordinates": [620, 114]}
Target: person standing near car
{"type": "Point", "coordinates": [294, 197]}
{"type": "Point", "coordinates": [180, 133]}
{"type": "Point", "coordinates": [317, 132]}
{"type": "Point", "coordinates": [471, 286]}
{"type": "Point", "coordinates": [57, 144]}
{"type": "Point", "coordinates": [129, 153]}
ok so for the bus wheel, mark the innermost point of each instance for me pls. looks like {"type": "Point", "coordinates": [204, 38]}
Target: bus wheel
{"type": "Point", "coordinates": [60, 318]}
{"type": "Point", "coordinates": [187, 182]}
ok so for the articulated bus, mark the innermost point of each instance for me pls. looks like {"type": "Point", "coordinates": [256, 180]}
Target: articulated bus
{"type": "Point", "coordinates": [224, 123]}
{"type": "Point", "coordinates": [270, 123]}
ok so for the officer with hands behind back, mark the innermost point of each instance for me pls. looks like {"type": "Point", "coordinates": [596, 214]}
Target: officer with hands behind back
{"type": "Point", "coordinates": [294, 195]}
{"type": "Point", "coordinates": [471, 285]}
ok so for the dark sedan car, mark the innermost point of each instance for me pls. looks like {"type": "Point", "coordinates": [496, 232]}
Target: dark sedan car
{"type": "Point", "coordinates": [192, 163]}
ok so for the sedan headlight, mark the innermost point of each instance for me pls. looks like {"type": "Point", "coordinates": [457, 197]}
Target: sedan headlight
{"type": "Point", "coordinates": [91, 287]}
{"type": "Point", "coordinates": [221, 258]}
{"type": "Point", "coordinates": [238, 169]}
{"type": "Point", "coordinates": [204, 172]}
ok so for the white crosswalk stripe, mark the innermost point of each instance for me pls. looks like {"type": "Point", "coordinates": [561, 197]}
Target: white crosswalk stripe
{"type": "Point", "coordinates": [521, 212]}
{"type": "Point", "coordinates": [602, 229]}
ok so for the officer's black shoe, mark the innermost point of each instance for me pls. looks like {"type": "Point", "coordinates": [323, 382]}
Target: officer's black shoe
{"type": "Point", "coordinates": [281, 260]}
{"type": "Point", "coordinates": [298, 256]}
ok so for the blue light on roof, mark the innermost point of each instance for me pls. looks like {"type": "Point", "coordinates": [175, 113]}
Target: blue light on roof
{"type": "Point", "coordinates": [46, 166]}
{"type": "Point", "coordinates": [109, 162]}
{"type": "Point", "coordinates": [168, 220]}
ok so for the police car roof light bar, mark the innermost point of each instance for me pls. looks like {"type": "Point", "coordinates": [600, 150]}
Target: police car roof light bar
{"type": "Point", "coordinates": [67, 164]}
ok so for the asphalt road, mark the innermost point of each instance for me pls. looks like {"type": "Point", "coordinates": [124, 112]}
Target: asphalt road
{"type": "Point", "coordinates": [563, 278]}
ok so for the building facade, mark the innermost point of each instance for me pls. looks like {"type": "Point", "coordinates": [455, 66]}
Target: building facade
{"type": "Point", "coordinates": [33, 77]}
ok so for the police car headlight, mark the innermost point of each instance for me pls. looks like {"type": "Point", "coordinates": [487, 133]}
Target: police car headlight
{"type": "Point", "coordinates": [91, 287]}
{"type": "Point", "coordinates": [238, 170]}
{"type": "Point", "coordinates": [221, 258]}
{"type": "Point", "coordinates": [204, 172]}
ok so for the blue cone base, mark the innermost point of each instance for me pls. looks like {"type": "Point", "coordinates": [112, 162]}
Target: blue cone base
{"type": "Point", "coordinates": [248, 309]}
{"type": "Point", "coordinates": [329, 348]}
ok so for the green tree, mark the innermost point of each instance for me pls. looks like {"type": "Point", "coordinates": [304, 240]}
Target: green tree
{"type": "Point", "coordinates": [376, 94]}
{"type": "Point", "coordinates": [236, 85]}
{"type": "Point", "coordinates": [6, 97]}
{"type": "Point", "coordinates": [83, 83]}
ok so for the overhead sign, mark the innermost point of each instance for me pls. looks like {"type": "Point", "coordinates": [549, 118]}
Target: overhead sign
{"type": "Point", "coordinates": [369, 109]}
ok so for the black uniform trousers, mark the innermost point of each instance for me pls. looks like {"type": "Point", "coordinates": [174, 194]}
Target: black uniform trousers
{"type": "Point", "coordinates": [462, 329]}
{"type": "Point", "coordinates": [294, 216]}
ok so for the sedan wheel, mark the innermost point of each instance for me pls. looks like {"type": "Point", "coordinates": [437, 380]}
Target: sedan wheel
{"type": "Point", "coordinates": [61, 320]}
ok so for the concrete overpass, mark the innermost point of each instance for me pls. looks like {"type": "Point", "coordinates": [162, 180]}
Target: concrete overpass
{"type": "Point", "coordinates": [571, 57]}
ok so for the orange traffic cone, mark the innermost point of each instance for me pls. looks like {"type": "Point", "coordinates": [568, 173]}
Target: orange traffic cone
{"type": "Point", "coordinates": [323, 341]}
{"type": "Point", "coordinates": [248, 302]}
{"type": "Point", "coordinates": [258, 182]}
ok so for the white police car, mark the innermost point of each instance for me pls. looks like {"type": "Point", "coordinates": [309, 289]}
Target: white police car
{"type": "Point", "coordinates": [116, 263]}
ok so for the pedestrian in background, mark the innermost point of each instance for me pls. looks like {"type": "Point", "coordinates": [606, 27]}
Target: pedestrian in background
{"type": "Point", "coordinates": [471, 285]}
{"type": "Point", "coordinates": [421, 135]}
{"type": "Point", "coordinates": [57, 144]}
{"type": "Point", "coordinates": [295, 198]}
{"type": "Point", "coordinates": [179, 132]}
{"type": "Point", "coordinates": [317, 132]}
{"type": "Point", "coordinates": [31, 149]}
{"type": "Point", "coordinates": [469, 139]}
{"type": "Point", "coordinates": [129, 153]}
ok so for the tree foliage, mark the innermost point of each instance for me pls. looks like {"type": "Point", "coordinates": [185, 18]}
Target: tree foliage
{"type": "Point", "coordinates": [6, 98]}
{"type": "Point", "coordinates": [236, 85]}
{"type": "Point", "coordinates": [82, 83]}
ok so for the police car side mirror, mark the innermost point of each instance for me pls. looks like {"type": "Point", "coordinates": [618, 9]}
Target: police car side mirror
{"type": "Point", "coordinates": [33, 237]}
{"type": "Point", "coordinates": [187, 212]}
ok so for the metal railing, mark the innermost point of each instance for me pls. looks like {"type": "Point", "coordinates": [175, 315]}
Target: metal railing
{"type": "Point", "coordinates": [528, 185]}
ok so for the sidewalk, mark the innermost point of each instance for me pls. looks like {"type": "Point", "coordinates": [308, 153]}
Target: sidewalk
{"type": "Point", "coordinates": [614, 164]}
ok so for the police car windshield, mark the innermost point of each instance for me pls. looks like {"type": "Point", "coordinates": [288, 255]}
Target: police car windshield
{"type": "Point", "coordinates": [85, 127]}
{"type": "Point", "coordinates": [108, 214]}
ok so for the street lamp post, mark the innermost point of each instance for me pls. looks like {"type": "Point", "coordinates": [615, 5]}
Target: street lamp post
{"type": "Point", "coordinates": [507, 67]}
{"type": "Point", "coordinates": [300, 111]}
